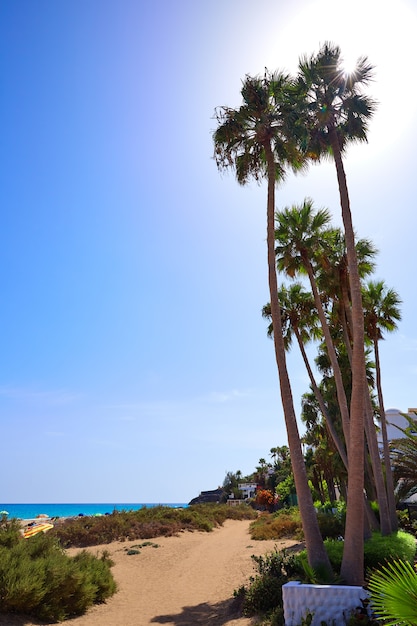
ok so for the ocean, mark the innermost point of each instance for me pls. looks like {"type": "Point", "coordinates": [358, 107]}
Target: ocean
{"type": "Point", "coordinates": [30, 511]}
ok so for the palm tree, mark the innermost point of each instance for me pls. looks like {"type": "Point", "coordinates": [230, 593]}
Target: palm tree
{"type": "Point", "coordinates": [303, 244]}
{"type": "Point", "coordinates": [299, 235]}
{"type": "Point", "coordinates": [262, 472]}
{"type": "Point", "coordinates": [299, 318]}
{"type": "Point", "coordinates": [256, 141]}
{"type": "Point", "coordinates": [320, 461]}
{"type": "Point", "coordinates": [318, 436]}
{"type": "Point", "coordinates": [334, 277]}
{"type": "Point", "coordinates": [381, 312]}
{"type": "Point", "coordinates": [336, 114]}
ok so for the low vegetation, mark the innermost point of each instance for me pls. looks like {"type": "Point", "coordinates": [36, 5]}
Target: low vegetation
{"type": "Point", "coordinates": [377, 550]}
{"type": "Point", "coordinates": [38, 579]}
{"type": "Point", "coordinates": [286, 523]}
{"type": "Point", "coordinates": [283, 524]}
{"type": "Point", "coordinates": [146, 523]}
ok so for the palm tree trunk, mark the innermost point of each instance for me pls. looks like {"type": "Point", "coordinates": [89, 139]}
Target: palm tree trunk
{"type": "Point", "coordinates": [353, 557]}
{"type": "Point", "coordinates": [381, 492]}
{"type": "Point", "coordinates": [371, 522]}
{"type": "Point", "coordinates": [377, 470]}
{"type": "Point", "coordinates": [317, 555]}
{"type": "Point", "coordinates": [387, 457]}
{"type": "Point", "coordinates": [340, 390]}
{"type": "Point", "coordinates": [319, 397]}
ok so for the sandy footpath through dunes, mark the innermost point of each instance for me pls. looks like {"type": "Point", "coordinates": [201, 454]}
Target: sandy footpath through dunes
{"type": "Point", "coordinates": [187, 580]}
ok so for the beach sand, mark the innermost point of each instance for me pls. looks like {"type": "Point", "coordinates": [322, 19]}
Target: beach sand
{"type": "Point", "coordinates": [187, 580]}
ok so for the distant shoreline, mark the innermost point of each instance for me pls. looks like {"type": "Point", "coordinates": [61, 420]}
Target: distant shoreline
{"type": "Point", "coordinates": [29, 512]}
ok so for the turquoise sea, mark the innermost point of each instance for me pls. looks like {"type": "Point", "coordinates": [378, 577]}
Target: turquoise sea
{"type": "Point", "coordinates": [30, 511]}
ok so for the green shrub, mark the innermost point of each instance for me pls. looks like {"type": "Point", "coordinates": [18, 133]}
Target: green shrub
{"type": "Point", "coordinates": [284, 523]}
{"type": "Point", "coordinates": [287, 523]}
{"type": "Point", "coordinates": [279, 564]}
{"type": "Point", "coordinates": [264, 594]}
{"type": "Point", "coordinates": [377, 550]}
{"type": "Point", "coordinates": [9, 532]}
{"type": "Point", "coordinates": [331, 526]}
{"type": "Point", "coordinates": [37, 578]}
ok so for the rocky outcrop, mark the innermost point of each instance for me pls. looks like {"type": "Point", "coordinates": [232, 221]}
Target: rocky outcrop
{"type": "Point", "coordinates": [214, 495]}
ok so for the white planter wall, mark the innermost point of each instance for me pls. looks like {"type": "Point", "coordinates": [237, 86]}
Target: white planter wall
{"type": "Point", "coordinates": [324, 602]}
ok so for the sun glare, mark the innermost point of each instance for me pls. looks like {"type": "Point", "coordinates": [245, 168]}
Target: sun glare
{"type": "Point", "coordinates": [349, 63]}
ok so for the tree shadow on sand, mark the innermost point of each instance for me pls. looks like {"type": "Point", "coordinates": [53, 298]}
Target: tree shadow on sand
{"type": "Point", "coordinates": [217, 614]}
{"type": "Point", "coordinates": [7, 619]}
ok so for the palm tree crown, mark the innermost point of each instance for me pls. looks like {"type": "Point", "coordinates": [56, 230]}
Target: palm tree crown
{"type": "Point", "coordinates": [381, 309]}
{"type": "Point", "coordinates": [265, 116]}
{"type": "Point", "coordinates": [334, 99]}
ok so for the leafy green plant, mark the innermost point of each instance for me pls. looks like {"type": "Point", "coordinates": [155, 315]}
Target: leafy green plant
{"type": "Point", "coordinates": [279, 564]}
{"type": "Point", "coordinates": [393, 590]}
{"type": "Point", "coordinates": [9, 532]}
{"type": "Point", "coordinates": [331, 526]}
{"type": "Point", "coordinates": [264, 593]}
{"type": "Point", "coordinates": [37, 578]}
{"type": "Point", "coordinates": [377, 549]}
{"type": "Point", "coordinates": [315, 576]}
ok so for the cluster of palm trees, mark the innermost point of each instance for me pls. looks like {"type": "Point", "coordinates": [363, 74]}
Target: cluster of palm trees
{"type": "Point", "coordinates": [307, 246]}
{"type": "Point", "coordinates": [283, 124]}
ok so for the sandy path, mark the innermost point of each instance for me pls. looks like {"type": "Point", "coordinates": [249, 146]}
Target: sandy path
{"type": "Point", "coordinates": [187, 580]}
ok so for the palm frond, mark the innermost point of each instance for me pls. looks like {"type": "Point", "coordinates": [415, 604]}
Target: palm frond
{"type": "Point", "coordinates": [393, 591]}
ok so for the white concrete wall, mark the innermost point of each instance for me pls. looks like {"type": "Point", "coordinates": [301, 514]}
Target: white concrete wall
{"type": "Point", "coordinates": [324, 602]}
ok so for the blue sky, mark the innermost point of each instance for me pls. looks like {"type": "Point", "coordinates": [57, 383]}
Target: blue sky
{"type": "Point", "coordinates": [134, 364]}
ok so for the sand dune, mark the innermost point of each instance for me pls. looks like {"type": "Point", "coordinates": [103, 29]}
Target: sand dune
{"type": "Point", "coordinates": [187, 580]}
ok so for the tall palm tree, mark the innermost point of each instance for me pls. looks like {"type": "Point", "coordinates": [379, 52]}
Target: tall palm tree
{"type": "Point", "coordinates": [299, 236]}
{"type": "Point", "coordinates": [381, 313]}
{"type": "Point", "coordinates": [256, 140]}
{"type": "Point", "coordinates": [334, 278]}
{"type": "Point", "coordinates": [299, 318]}
{"type": "Point", "coordinates": [303, 244]}
{"type": "Point", "coordinates": [336, 114]}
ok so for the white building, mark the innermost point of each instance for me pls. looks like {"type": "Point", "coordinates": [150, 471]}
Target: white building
{"type": "Point", "coordinates": [248, 489]}
{"type": "Point", "coordinates": [396, 418]}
